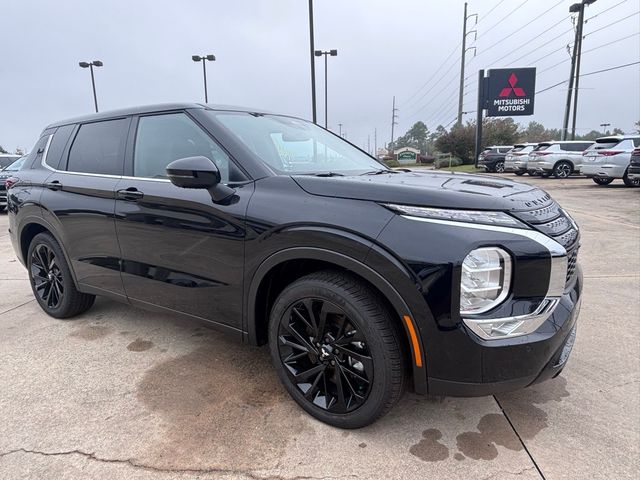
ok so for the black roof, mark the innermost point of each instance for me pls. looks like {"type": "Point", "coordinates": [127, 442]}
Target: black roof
{"type": "Point", "coordinates": [159, 107]}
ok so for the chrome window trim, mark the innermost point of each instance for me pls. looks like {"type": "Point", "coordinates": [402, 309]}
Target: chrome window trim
{"type": "Point", "coordinates": [46, 150]}
{"type": "Point", "coordinates": [555, 290]}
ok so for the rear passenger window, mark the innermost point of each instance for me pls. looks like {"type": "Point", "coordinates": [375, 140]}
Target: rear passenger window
{"type": "Point", "coordinates": [161, 139]}
{"type": "Point", "coordinates": [57, 145]}
{"type": "Point", "coordinates": [99, 148]}
{"type": "Point", "coordinates": [36, 152]}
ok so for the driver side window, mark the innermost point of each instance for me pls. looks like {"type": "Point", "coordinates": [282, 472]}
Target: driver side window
{"type": "Point", "coordinates": [161, 139]}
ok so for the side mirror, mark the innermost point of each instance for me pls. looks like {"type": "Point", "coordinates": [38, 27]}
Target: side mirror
{"type": "Point", "coordinates": [193, 172]}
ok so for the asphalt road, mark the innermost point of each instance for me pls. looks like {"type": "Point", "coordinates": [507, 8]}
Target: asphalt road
{"type": "Point", "coordinates": [120, 393]}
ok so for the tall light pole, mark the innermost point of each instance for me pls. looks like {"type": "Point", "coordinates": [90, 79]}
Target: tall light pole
{"type": "Point", "coordinates": [340, 129]}
{"type": "Point", "coordinates": [319, 53]}
{"type": "Point", "coordinates": [90, 65]}
{"type": "Point", "coordinates": [605, 125]}
{"type": "Point", "coordinates": [313, 63]}
{"type": "Point", "coordinates": [203, 59]}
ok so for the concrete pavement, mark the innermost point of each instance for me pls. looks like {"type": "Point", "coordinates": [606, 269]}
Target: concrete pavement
{"type": "Point", "coordinates": [124, 393]}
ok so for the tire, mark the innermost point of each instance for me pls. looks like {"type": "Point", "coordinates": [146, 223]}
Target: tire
{"type": "Point", "coordinates": [519, 173]}
{"type": "Point", "coordinates": [499, 167]}
{"type": "Point", "coordinates": [533, 173]}
{"type": "Point", "coordinates": [51, 280]}
{"type": "Point", "coordinates": [562, 169]}
{"type": "Point", "coordinates": [628, 182]}
{"type": "Point", "coordinates": [360, 353]}
{"type": "Point", "coordinates": [602, 181]}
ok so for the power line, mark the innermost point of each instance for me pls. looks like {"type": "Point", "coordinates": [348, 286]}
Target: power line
{"type": "Point", "coordinates": [502, 19]}
{"type": "Point", "coordinates": [605, 11]}
{"type": "Point", "coordinates": [486, 15]}
{"type": "Point", "coordinates": [432, 76]}
{"type": "Point", "coordinates": [433, 86]}
{"type": "Point", "coordinates": [501, 41]}
{"type": "Point", "coordinates": [612, 23]}
{"type": "Point", "coordinates": [419, 109]}
{"type": "Point", "coordinates": [590, 73]}
{"type": "Point", "coordinates": [590, 50]}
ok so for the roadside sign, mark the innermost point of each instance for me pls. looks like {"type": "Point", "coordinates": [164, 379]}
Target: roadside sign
{"type": "Point", "coordinates": [510, 92]}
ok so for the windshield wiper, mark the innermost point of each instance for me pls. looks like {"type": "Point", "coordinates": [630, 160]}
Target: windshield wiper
{"type": "Point", "coordinates": [381, 171]}
{"type": "Point", "coordinates": [328, 174]}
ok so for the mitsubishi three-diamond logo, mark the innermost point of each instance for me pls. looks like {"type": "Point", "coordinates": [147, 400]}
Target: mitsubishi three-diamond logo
{"type": "Point", "coordinates": [517, 91]}
{"type": "Point", "coordinates": [509, 91]}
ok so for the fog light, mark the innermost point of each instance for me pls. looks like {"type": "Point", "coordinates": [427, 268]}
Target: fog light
{"type": "Point", "coordinates": [485, 280]}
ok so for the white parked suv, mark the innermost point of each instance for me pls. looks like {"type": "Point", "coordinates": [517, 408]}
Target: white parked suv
{"type": "Point", "coordinates": [609, 159]}
{"type": "Point", "coordinates": [560, 158]}
{"type": "Point", "coordinates": [517, 158]}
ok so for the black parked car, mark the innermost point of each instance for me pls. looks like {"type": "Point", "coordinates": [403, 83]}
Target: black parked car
{"type": "Point", "coordinates": [633, 173]}
{"type": "Point", "coordinates": [279, 232]}
{"type": "Point", "coordinates": [5, 174]}
{"type": "Point", "coordinates": [493, 158]}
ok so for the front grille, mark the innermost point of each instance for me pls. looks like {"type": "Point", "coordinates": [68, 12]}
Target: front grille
{"type": "Point", "coordinates": [551, 220]}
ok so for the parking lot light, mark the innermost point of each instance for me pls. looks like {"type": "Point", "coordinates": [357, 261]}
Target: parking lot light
{"type": "Point", "coordinates": [204, 59]}
{"type": "Point", "coordinates": [319, 53]}
{"type": "Point", "coordinates": [90, 65]}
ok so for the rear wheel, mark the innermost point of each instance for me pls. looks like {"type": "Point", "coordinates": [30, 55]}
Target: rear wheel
{"type": "Point", "coordinates": [630, 182]}
{"type": "Point", "coordinates": [499, 168]}
{"type": "Point", "coordinates": [336, 349]}
{"type": "Point", "coordinates": [562, 169]}
{"type": "Point", "coordinates": [51, 279]}
{"type": "Point", "coordinates": [602, 181]}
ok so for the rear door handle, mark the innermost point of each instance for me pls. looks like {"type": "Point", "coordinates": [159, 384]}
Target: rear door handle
{"type": "Point", "coordinates": [54, 185]}
{"type": "Point", "coordinates": [130, 194]}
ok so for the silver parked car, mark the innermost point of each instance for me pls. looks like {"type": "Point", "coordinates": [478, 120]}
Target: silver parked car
{"type": "Point", "coordinates": [609, 159]}
{"type": "Point", "coordinates": [557, 158]}
{"type": "Point", "coordinates": [517, 158]}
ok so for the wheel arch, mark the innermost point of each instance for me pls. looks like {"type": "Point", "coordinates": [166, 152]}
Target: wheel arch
{"type": "Point", "coordinates": [31, 227]}
{"type": "Point", "coordinates": [570, 162]}
{"type": "Point", "coordinates": [275, 273]}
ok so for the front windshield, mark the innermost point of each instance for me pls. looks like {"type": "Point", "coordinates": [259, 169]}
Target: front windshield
{"type": "Point", "coordinates": [293, 146]}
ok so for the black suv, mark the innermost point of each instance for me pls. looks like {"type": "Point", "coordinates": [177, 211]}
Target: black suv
{"type": "Point", "coordinates": [279, 232]}
{"type": "Point", "coordinates": [492, 158]}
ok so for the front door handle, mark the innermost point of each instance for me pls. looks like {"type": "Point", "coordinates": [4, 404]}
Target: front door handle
{"type": "Point", "coordinates": [130, 194]}
{"type": "Point", "coordinates": [54, 185]}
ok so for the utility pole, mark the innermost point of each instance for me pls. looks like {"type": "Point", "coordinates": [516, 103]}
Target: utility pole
{"type": "Point", "coordinates": [375, 142]}
{"type": "Point", "coordinates": [340, 127]}
{"type": "Point", "coordinates": [462, 60]}
{"type": "Point", "coordinates": [393, 123]}
{"type": "Point", "coordinates": [313, 62]}
{"type": "Point", "coordinates": [574, 74]}
{"type": "Point", "coordinates": [369, 144]}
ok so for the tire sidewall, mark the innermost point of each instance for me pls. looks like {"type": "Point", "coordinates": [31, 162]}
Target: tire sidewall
{"type": "Point", "coordinates": [379, 392]}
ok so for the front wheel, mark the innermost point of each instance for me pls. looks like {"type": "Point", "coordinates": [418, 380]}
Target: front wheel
{"type": "Point", "coordinates": [51, 279]}
{"type": "Point", "coordinates": [336, 349]}
{"type": "Point", "coordinates": [602, 181]}
{"type": "Point", "coordinates": [562, 170]}
{"type": "Point", "coordinates": [499, 168]}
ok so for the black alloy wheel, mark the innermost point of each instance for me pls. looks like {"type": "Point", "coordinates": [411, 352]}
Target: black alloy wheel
{"type": "Point", "coordinates": [602, 181]}
{"type": "Point", "coordinates": [499, 168]}
{"type": "Point", "coordinates": [326, 355]}
{"type": "Point", "coordinates": [562, 170]}
{"type": "Point", "coordinates": [51, 279]}
{"type": "Point", "coordinates": [336, 348]}
{"type": "Point", "coordinates": [47, 276]}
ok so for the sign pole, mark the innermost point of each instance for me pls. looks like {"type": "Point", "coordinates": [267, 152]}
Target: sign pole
{"type": "Point", "coordinates": [479, 116]}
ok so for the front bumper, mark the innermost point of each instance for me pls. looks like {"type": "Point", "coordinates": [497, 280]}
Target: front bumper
{"type": "Point", "coordinates": [535, 358]}
{"type": "Point", "coordinates": [603, 170]}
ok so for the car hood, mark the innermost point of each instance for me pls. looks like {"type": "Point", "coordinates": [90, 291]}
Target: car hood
{"type": "Point", "coordinates": [430, 189]}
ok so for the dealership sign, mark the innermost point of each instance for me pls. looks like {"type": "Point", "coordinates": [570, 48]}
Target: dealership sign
{"type": "Point", "coordinates": [510, 92]}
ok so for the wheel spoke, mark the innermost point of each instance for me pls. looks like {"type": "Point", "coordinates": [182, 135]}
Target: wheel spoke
{"type": "Point", "coordinates": [366, 360]}
{"type": "Point", "coordinates": [308, 303]}
{"type": "Point", "coordinates": [300, 316]}
{"type": "Point", "coordinates": [350, 385]}
{"type": "Point", "coordinates": [314, 386]}
{"type": "Point", "coordinates": [303, 341]}
{"type": "Point", "coordinates": [302, 376]}
{"type": "Point", "coordinates": [341, 404]}
{"type": "Point", "coordinates": [356, 375]}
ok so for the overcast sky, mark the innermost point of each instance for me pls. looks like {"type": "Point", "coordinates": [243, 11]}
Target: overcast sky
{"type": "Point", "coordinates": [385, 48]}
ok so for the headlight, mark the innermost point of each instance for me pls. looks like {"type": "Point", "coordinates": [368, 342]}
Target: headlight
{"type": "Point", "coordinates": [469, 216]}
{"type": "Point", "coordinates": [485, 280]}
